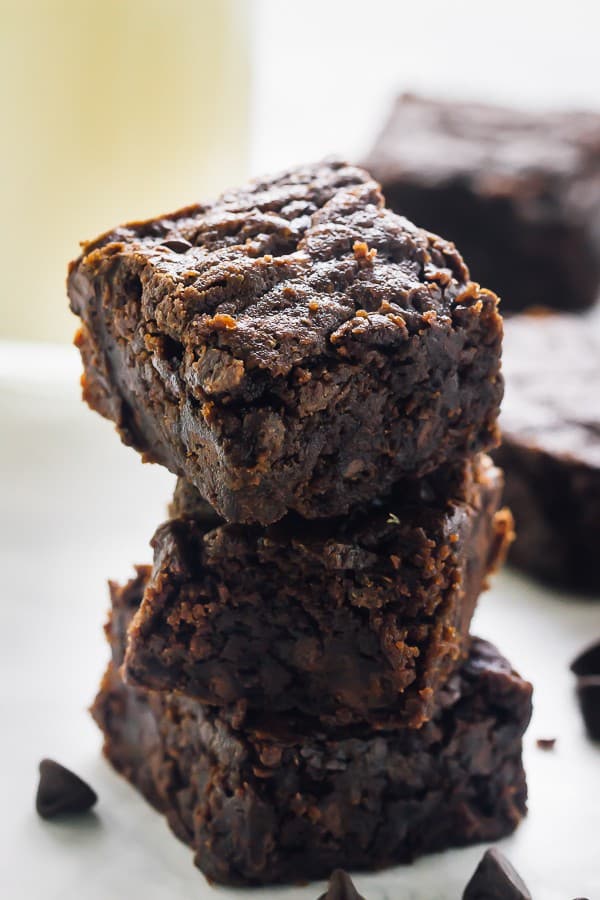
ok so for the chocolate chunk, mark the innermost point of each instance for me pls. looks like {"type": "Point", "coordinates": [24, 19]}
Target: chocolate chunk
{"type": "Point", "coordinates": [341, 888]}
{"type": "Point", "coordinates": [61, 792]}
{"type": "Point", "coordinates": [588, 694]}
{"type": "Point", "coordinates": [178, 245]}
{"type": "Point", "coordinates": [588, 661]}
{"type": "Point", "coordinates": [546, 743]}
{"type": "Point", "coordinates": [495, 879]}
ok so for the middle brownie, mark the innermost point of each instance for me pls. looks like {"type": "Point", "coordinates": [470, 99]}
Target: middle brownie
{"type": "Point", "coordinates": [335, 619]}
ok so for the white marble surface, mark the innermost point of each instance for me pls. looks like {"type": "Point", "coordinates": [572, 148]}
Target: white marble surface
{"type": "Point", "coordinates": [76, 508]}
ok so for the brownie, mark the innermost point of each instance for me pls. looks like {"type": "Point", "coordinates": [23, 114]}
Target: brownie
{"type": "Point", "coordinates": [352, 619]}
{"type": "Point", "coordinates": [518, 192]}
{"type": "Point", "coordinates": [285, 799]}
{"type": "Point", "coordinates": [293, 345]}
{"type": "Point", "coordinates": [551, 446]}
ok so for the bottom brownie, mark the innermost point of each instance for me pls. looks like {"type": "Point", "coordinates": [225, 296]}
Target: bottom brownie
{"type": "Point", "coordinates": [287, 800]}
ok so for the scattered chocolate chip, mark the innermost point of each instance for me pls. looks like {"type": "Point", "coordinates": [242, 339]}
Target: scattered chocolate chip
{"type": "Point", "coordinates": [588, 661]}
{"type": "Point", "coordinates": [61, 792]}
{"type": "Point", "coordinates": [495, 879]}
{"type": "Point", "coordinates": [178, 245]}
{"type": "Point", "coordinates": [340, 888]}
{"type": "Point", "coordinates": [546, 743]}
{"type": "Point", "coordinates": [588, 694]}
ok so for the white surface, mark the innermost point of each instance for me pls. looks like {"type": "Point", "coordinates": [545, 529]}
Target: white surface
{"type": "Point", "coordinates": [77, 508]}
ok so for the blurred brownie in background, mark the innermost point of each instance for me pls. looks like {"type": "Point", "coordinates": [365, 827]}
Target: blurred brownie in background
{"type": "Point", "coordinates": [551, 446]}
{"type": "Point", "coordinates": [518, 192]}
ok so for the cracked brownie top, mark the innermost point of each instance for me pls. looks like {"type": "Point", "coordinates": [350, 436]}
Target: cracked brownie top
{"type": "Point", "coordinates": [307, 264]}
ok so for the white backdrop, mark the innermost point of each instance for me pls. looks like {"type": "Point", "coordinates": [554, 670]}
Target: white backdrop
{"type": "Point", "coordinates": [327, 69]}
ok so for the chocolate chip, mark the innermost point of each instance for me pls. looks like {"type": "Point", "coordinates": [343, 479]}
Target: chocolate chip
{"type": "Point", "coordinates": [340, 888]}
{"type": "Point", "coordinates": [495, 879]}
{"type": "Point", "coordinates": [588, 661]}
{"type": "Point", "coordinates": [546, 743]}
{"type": "Point", "coordinates": [588, 694]}
{"type": "Point", "coordinates": [61, 792]}
{"type": "Point", "coordinates": [178, 245]}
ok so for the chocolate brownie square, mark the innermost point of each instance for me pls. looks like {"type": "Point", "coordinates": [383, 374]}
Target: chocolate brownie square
{"type": "Point", "coordinates": [551, 446]}
{"type": "Point", "coordinates": [518, 192]}
{"type": "Point", "coordinates": [293, 345]}
{"type": "Point", "coordinates": [352, 619]}
{"type": "Point", "coordinates": [284, 799]}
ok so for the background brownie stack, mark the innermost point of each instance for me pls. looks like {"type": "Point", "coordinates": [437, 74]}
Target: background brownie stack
{"type": "Point", "coordinates": [519, 192]}
{"type": "Point", "coordinates": [293, 683]}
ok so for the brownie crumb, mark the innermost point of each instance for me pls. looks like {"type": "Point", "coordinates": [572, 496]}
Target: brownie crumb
{"type": "Point", "coordinates": [341, 887]}
{"type": "Point", "coordinates": [496, 879]}
{"type": "Point", "coordinates": [61, 792]}
{"type": "Point", "coordinates": [546, 743]}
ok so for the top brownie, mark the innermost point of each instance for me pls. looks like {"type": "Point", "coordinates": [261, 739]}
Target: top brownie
{"type": "Point", "coordinates": [293, 345]}
{"type": "Point", "coordinates": [518, 192]}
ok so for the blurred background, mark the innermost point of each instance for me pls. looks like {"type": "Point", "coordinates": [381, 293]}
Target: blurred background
{"type": "Point", "coordinates": [123, 109]}
{"type": "Point", "coordinates": [127, 108]}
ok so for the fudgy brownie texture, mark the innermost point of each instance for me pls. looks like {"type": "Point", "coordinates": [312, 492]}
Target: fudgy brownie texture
{"type": "Point", "coordinates": [293, 345]}
{"type": "Point", "coordinates": [551, 446]}
{"type": "Point", "coordinates": [518, 192]}
{"type": "Point", "coordinates": [358, 618]}
{"type": "Point", "coordinates": [284, 799]}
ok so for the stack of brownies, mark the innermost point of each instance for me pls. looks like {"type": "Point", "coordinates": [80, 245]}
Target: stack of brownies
{"type": "Point", "coordinates": [293, 683]}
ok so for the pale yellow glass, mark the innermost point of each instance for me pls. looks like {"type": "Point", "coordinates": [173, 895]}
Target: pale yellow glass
{"type": "Point", "coordinates": [110, 110]}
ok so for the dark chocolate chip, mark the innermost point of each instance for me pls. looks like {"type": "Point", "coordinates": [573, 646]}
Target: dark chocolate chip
{"type": "Point", "coordinates": [61, 792]}
{"type": "Point", "coordinates": [588, 694]}
{"type": "Point", "coordinates": [495, 879]}
{"type": "Point", "coordinates": [178, 245]}
{"type": "Point", "coordinates": [588, 661]}
{"type": "Point", "coordinates": [340, 888]}
{"type": "Point", "coordinates": [546, 743]}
